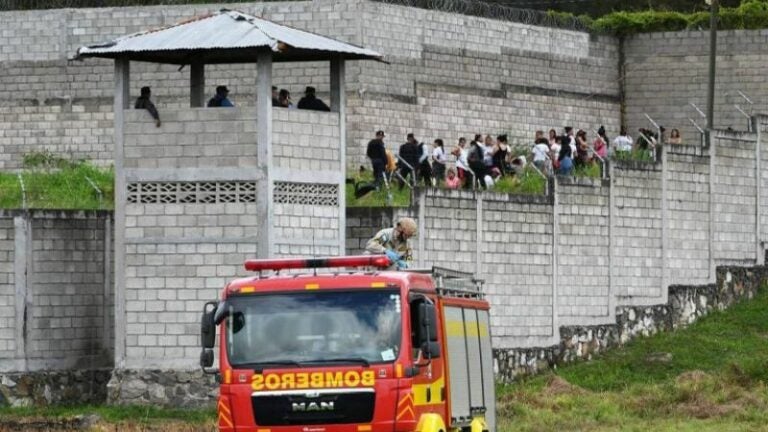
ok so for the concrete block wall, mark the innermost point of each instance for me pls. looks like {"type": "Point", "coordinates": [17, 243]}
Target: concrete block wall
{"type": "Point", "coordinates": [450, 231]}
{"type": "Point", "coordinates": [516, 262]}
{"type": "Point", "coordinates": [71, 293]}
{"type": "Point", "coordinates": [452, 75]}
{"type": "Point", "coordinates": [762, 182]}
{"type": "Point", "coordinates": [666, 71]}
{"type": "Point", "coordinates": [449, 113]}
{"type": "Point", "coordinates": [637, 230]}
{"type": "Point", "coordinates": [52, 103]}
{"type": "Point", "coordinates": [180, 257]}
{"type": "Point", "coordinates": [583, 243]}
{"type": "Point", "coordinates": [307, 230]}
{"type": "Point", "coordinates": [191, 138]}
{"type": "Point", "coordinates": [596, 247]}
{"type": "Point", "coordinates": [55, 290]}
{"type": "Point", "coordinates": [191, 220]}
{"type": "Point", "coordinates": [735, 197]}
{"type": "Point", "coordinates": [505, 77]}
{"type": "Point", "coordinates": [306, 140]}
{"type": "Point", "coordinates": [7, 289]}
{"type": "Point", "coordinates": [688, 195]}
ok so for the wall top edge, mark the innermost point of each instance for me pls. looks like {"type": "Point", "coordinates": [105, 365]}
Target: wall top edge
{"type": "Point", "coordinates": [738, 135]}
{"type": "Point", "coordinates": [636, 165]}
{"type": "Point", "coordinates": [56, 214]}
{"type": "Point", "coordinates": [697, 34]}
{"type": "Point", "coordinates": [485, 196]}
{"type": "Point", "coordinates": [208, 6]}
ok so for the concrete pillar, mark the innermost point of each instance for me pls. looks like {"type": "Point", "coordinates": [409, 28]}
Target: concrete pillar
{"type": "Point", "coordinates": [22, 270]}
{"type": "Point", "coordinates": [264, 205]}
{"type": "Point", "coordinates": [479, 236]}
{"type": "Point", "coordinates": [757, 127]}
{"type": "Point", "coordinates": [555, 252]}
{"type": "Point", "coordinates": [421, 262]}
{"type": "Point", "coordinates": [197, 85]}
{"type": "Point", "coordinates": [106, 337]}
{"type": "Point", "coordinates": [339, 105]}
{"type": "Point", "coordinates": [664, 226]}
{"type": "Point", "coordinates": [122, 86]}
{"type": "Point", "coordinates": [612, 219]}
{"type": "Point", "coordinates": [712, 154]}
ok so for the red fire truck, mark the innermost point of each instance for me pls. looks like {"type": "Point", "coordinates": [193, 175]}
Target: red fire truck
{"type": "Point", "coordinates": [356, 350]}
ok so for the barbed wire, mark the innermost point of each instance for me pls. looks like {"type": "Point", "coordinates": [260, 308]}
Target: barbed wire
{"type": "Point", "coordinates": [9, 5]}
{"type": "Point", "coordinates": [497, 11]}
{"type": "Point", "coordinates": [465, 7]}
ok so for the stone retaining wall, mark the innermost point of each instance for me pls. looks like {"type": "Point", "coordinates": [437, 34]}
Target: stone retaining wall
{"type": "Point", "coordinates": [686, 304]}
{"type": "Point", "coordinates": [70, 387]}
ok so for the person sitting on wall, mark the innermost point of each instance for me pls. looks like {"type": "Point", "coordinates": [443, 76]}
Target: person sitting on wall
{"type": "Point", "coordinates": [284, 99]}
{"type": "Point", "coordinates": [452, 180]}
{"type": "Point", "coordinates": [143, 102]}
{"type": "Point", "coordinates": [311, 102]}
{"type": "Point", "coordinates": [220, 99]}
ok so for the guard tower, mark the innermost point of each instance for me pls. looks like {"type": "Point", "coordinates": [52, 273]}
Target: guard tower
{"type": "Point", "coordinates": [213, 186]}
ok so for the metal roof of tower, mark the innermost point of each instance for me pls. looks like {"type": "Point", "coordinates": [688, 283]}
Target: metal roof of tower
{"type": "Point", "coordinates": [224, 37]}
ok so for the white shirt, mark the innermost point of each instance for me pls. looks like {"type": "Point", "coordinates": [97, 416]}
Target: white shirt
{"type": "Point", "coordinates": [540, 152]}
{"type": "Point", "coordinates": [487, 156]}
{"type": "Point", "coordinates": [424, 152]}
{"type": "Point", "coordinates": [461, 161]}
{"type": "Point", "coordinates": [438, 155]}
{"type": "Point", "coordinates": [556, 149]}
{"type": "Point", "coordinates": [623, 143]}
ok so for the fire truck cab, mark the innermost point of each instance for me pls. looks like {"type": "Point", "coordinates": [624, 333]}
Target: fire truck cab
{"type": "Point", "coordinates": [355, 350]}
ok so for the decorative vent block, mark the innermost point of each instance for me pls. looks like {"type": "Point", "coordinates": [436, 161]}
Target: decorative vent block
{"type": "Point", "coordinates": [191, 192]}
{"type": "Point", "coordinates": [306, 193]}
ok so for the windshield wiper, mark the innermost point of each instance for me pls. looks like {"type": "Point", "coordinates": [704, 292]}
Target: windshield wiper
{"type": "Point", "coordinates": [360, 360]}
{"type": "Point", "coordinates": [258, 367]}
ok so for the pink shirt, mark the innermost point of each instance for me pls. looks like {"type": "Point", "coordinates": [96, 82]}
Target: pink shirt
{"type": "Point", "coordinates": [452, 183]}
{"type": "Point", "coordinates": [600, 148]}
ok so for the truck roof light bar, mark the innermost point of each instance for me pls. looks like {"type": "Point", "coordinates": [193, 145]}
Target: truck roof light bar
{"type": "Point", "coordinates": [380, 261]}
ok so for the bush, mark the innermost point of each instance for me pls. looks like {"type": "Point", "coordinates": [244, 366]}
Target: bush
{"type": "Point", "coordinates": [750, 14]}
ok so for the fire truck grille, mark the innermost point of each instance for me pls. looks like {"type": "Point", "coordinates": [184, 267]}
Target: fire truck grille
{"type": "Point", "coordinates": [338, 408]}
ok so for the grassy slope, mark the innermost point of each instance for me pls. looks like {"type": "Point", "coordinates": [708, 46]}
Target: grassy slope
{"type": "Point", "coordinates": [715, 380]}
{"type": "Point", "coordinates": [530, 183]}
{"type": "Point", "coordinates": [67, 188]}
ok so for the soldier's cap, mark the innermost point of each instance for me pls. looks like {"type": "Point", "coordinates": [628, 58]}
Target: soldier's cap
{"type": "Point", "coordinates": [407, 226]}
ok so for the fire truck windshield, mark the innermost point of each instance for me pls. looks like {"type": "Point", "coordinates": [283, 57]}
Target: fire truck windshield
{"type": "Point", "coordinates": [313, 327]}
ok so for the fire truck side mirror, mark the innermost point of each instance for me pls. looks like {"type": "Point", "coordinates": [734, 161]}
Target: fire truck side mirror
{"type": "Point", "coordinates": [206, 358]}
{"type": "Point", "coordinates": [431, 350]}
{"type": "Point", "coordinates": [207, 326]}
{"type": "Point", "coordinates": [427, 318]}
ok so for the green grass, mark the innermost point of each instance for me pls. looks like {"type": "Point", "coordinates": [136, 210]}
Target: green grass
{"type": "Point", "coordinates": [399, 197]}
{"type": "Point", "coordinates": [530, 183]}
{"type": "Point", "coordinates": [591, 170]}
{"type": "Point", "coordinates": [58, 188]}
{"type": "Point", "coordinates": [634, 155]}
{"type": "Point", "coordinates": [716, 379]}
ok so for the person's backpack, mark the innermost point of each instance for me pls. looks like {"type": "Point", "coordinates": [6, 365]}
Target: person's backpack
{"type": "Point", "coordinates": [475, 155]}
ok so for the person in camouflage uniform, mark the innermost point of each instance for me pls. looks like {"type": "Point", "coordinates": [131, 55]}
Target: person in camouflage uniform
{"type": "Point", "coordinates": [393, 242]}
